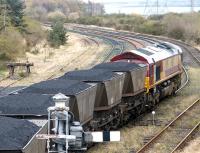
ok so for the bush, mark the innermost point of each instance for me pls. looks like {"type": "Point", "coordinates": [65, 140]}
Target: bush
{"type": "Point", "coordinates": [179, 26]}
{"type": "Point", "coordinates": [151, 27]}
{"type": "Point", "coordinates": [4, 56]}
{"type": "Point", "coordinates": [12, 44]}
{"type": "Point", "coordinates": [56, 16]}
{"type": "Point", "coordinates": [57, 36]}
{"type": "Point", "coordinates": [34, 32]}
{"type": "Point", "coordinates": [177, 33]}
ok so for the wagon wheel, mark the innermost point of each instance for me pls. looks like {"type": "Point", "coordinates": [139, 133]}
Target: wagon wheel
{"type": "Point", "coordinates": [116, 123]}
{"type": "Point", "coordinates": [124, 119]}
{"type": "Point", "coordinates": [139, 109]}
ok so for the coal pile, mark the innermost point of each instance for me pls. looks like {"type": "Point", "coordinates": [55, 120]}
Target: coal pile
{"type": "Point", "coordinates": [118, 66]}
{"type": "Point", "coordinates": [67, 87]}
{"type": "Point", "coordinates": [25, 104]}
{"type": "Point", "coordinates": [91, 75]}
{"type": "Point", "coordinates": [15, 133]}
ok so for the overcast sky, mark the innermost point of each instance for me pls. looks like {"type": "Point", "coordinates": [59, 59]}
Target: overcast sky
{"type": "Point", "coordinates": [138, 6]}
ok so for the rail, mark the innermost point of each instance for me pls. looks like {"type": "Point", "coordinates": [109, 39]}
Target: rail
{"type": "Point", "coordinates": [186, 138]}
{"type": "Point", "coordinates": [172, 123]}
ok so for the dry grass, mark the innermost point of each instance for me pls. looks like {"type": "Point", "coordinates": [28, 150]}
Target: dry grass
{"type": "Point", "coordinates": [132, 136]}
{"type": "Point", "coordinates": [74, 55]}
{"type": "Point", "coordinates": [193, 147]}
{"type": "Point", "coordinates": [131, 139]}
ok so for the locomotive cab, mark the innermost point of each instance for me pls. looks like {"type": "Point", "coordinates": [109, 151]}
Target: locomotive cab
{"type": "Point", "coordinates": [164, 67]}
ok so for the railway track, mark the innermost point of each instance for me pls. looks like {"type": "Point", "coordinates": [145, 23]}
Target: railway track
{"type": "Point", "coordinates": [116, 48]}
{"type": "Point", "coordinates": [134, 40]}
{"type": "Point", "coordinates": [176, 126]}
{"type": "Point", "coordinates": [179, 130]}
{"type": "Point", "coordinates": [184, 133]}
{"type": "Point", "coordinates": [194, 53]}
{"type": "Point", "coordinates": [8, 87]}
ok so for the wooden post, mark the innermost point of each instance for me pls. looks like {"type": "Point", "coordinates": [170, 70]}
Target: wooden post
{"type": "Point", "coordinates": [28, 70]}
{"type": "Point", "coordinates": [11, 71]}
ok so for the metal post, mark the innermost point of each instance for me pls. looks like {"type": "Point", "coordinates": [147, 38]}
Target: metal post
{"type": "Point", "coordinates": [157, 6]}
{"type": "Point", "coordinates": [4, 17]}
{"type": "Point", "coordinates": [67, 131]}
{"type": "Point", "coordinates": [48, 132]}
{"type": "Point", "coordinates": [192, 5]}
{"type": "Point", "coordinates": [153, 115]}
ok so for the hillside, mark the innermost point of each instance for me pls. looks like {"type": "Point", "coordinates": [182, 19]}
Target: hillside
{"type": "Point", "coordinates": [19, 34]}
{"type": "Point", "coordinates": [183, 26]}
{"type": "Point", "coordinates": [45, 10]}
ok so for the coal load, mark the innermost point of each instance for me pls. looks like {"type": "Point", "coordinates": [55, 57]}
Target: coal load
{"type": "Point", "coordinates": [91, 75]}
{"type": "Point", "coordinates": [109, 85]}
{"type": "Point", "coordinates": [118, 66]}
{"type": "Point", "coordinates": [67, 87]}
{"type": "Point", "coordinates": [15, 134]}
{"type": "Point", "coordinates": [134, 75]}
{"type": "Point", "coordinates": [25, 104]}
{"type": "Point", "coordinates": [82, 95]}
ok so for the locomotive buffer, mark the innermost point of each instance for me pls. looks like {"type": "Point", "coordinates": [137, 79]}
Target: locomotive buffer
{"type": "Point", "coordinates": [64, 134]}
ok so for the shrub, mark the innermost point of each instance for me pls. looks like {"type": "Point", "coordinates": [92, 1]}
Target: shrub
{"type": "Point", "coordinates": [34, 32]}
{"type": "Point", "coordinates": [4, 56]}
{"type": "Point", "coordinates": [177, 33]}
{"type": "Point", "coordinates": [12, 44]}
{"type": "Point", "coordinates": [57, 36]}
{"type": "Point", "coordinates": [22, 74]}
{"type": "Point", "coordinates": [38, 13]}
{"type": "Point", "coordinates": [56, 16]}
{"type": "Point", "coordinates": [151, 27]}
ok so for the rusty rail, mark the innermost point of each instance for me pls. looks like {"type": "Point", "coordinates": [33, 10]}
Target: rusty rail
{"type": "Point", "coordinates": [157, 136]}
{"type": "Point", "coordinates": [132, 41]}
{"type": "Point", "coordinates": [180, 145]}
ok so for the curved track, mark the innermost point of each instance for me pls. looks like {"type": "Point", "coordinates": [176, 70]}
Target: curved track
{"type": "Point", "coordinates": [120, 42]}
{"type": "Point", "coordinates": [138, 41]}
{"type": "Point", "coordinates": [192, 58]}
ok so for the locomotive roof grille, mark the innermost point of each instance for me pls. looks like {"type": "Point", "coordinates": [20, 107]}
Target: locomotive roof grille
{"type": "Point", "coordinates": [145, 52]}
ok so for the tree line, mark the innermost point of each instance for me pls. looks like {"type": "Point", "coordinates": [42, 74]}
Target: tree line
{"type": "Point", "coordinates": [12, 12]}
